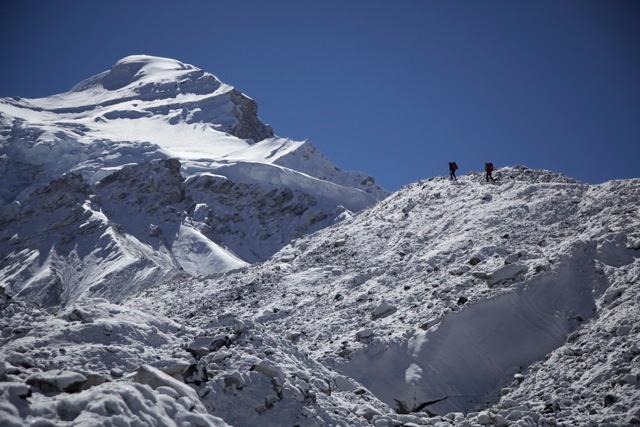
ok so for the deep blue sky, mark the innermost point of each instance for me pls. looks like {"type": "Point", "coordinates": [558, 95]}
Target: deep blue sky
{"type": "Point", "coordinates": [392, 88]}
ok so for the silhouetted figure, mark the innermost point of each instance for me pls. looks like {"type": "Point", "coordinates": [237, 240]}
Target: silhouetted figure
{"type": "Point", "coordinates": [488, 169]}
{"type": "Point", "coordinates": [453, 167]}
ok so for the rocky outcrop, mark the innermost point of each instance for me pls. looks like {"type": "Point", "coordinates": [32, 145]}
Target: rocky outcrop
{"type": "Point", "coordinates": [248, 125]}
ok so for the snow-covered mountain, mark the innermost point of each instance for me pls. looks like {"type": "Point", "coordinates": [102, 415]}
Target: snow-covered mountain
{"type": "Point", "coordinates": [446, 303]}
{"type": "Point", "coordinates": [151, 170]}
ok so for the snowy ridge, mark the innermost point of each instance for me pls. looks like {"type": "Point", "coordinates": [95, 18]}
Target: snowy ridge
{"type": "Point", "coordinates": [444, 297]}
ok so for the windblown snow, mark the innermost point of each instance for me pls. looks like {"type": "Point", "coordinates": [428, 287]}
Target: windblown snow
{"type": "Point", "coordinates": [165, 259]}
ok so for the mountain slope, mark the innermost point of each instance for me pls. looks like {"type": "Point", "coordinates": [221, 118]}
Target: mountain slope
{"type": "Point", "coordinates": [234, 194]}
{"type": "Point", "coordinates": [439, 296]}
{"type": "Point", "coordinates": [445, 304]}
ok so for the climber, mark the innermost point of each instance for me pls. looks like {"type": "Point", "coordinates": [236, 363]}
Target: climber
{"type": "Point", "coordinates": [453, 167]}
{"type": "Point", "coordinates": [488, 168]}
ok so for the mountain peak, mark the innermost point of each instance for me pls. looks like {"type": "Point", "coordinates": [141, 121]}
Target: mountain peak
{"type": "Point", "coordinates": [151, 59]}
{"type": "Point", "coordinates": [140, 70]}
{"type": "Point", "coordinates": [157, 91]}
{"type": "Point", "coordinates": [233, 194]}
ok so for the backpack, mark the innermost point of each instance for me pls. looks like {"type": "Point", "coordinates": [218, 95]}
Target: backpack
{"type": "Point", "coordinates": [488, 167]}
{"type": "Point", "coordinates": [454, 166]}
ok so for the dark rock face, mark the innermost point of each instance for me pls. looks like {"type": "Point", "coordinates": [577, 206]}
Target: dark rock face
{"type": "Point", "coordinates": [249, 125]}
{"type": "Point", "coordinates": [155, 184]}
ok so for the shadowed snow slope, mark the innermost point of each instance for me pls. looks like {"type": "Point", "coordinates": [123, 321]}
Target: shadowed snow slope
{"type": "Point", "coordinates": [148, 171]}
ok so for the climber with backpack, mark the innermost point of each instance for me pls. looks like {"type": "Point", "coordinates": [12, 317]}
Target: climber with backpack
{"type": "Point", "coordinates": [453, 167]}
{"type": "Point", "coordinates": [488, 169]}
